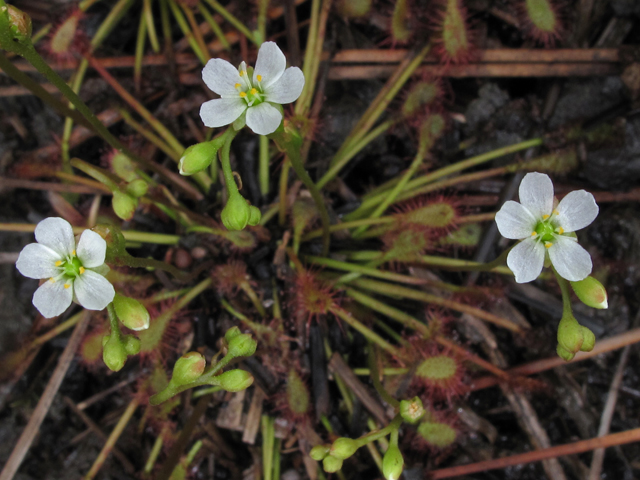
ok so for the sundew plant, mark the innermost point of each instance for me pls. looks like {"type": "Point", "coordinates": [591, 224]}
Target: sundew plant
{"type": "Point", "coordinates": [221, 235]}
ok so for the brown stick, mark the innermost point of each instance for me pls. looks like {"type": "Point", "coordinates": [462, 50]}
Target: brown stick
{"type": "Point", "coordinates": [11, 183]}
{"type": "Point", "coordinates": [553, 452]}
{"type": "Point", "coordinates": [602, 346]}
{"type": "Point", "coordinates": [32, 428]}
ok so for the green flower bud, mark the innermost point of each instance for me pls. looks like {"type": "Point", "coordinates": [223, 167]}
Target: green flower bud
{"type": "Point", "coordinates": [199, 156]}
{"type": "Point", "coordinates": [114, 354]}
{"type": "Point", "coordinates": [123, 167]}
{"type": "Point", "coordinates": [570, 334]}
{"type": "Point", "coordinates": [231, 333]}
{"type": "Point", "coordinates": [242, 346]}
{"type": "Point", "coordinates": [131, 312]}
{"type": "Point", "coordinates": [131, 345]}
{"type": "Point", "coordinates": [234, 380]}
{"type": "Point", "coordinates": [188, 368]}
{"type": "Point", "coordinates": [343, 448]}
{"type": "Point", "coordinates": [591, 292]}
{"type": "Point", "coordinates": [412, 410]}
{"type": "Point", "coordinates": [392, 463]}
{"type": "Point", "coordinates": [254, 215]}
{"type": "Point", "coordinates": [137, 188]}
{"type": "Point", "coordinates": [236, 213]}
{"type": "Point", "coordinates": [319, 452]}
{"type": "Point", "coordinates": [331, 464]}
{"type": "Point", "coordinates": [18, 23]}
{"type": "Point", "coordinates": [589, 340]}
{"type": "Point", "coordinates": [566, 355]}
{"type": "Point", "coordinates": [124, 205]}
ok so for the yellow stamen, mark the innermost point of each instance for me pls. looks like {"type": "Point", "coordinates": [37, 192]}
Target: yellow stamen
{"type": "Point", "coordinates": [259, 78]}
{"type": "Point", "coordinates": [243, 94]}
{"type": "Point", "coordinates": [237, 85]}
{"type": "Point", "coordinates": [73, 253]}
{"type": "Point", "coordinates": [545, 217]}
{"type": "Point", "coordinates": [556, 212]}
{"type": "Point", "coordinates": [253, 91]}
{"type": "Point", "coordinates": [560, 230]}
{"type": "Point", "coordinates": [241, 72]}
{"type": "Point", "coordinates": [548, 244]}
{"type": "Point", "coordinates": [52, 280]}
{"type": "Point", "coordinates": [533, 234]}
{"type": "Point", "coordinates": [81, 269]}
{"type": "Point", "coordinates": [66, 285]}
{"type": "Point", "coordinates": [58, 263]}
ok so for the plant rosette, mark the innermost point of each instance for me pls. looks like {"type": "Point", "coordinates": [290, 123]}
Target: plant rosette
{"type": "Point", "coordinates": [254, 99]}
{"type": "Point", "coordinates": [75, 271]}
{"type": "Point", "coordinates": [546, 231]}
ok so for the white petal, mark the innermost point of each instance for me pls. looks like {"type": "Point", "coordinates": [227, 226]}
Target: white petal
{"type": "Point", "coordinates": [536, 194]}
{"type": "Point", "coordinates": [51, 299]}
{"type": "Point", "coordinates": [92, 249]}
{"type": "Point", "coordinates": [38, 261]}
{"type": "Point", "coordinates": [570, 260]}
{"type": "Point", "coordinates": [577, 210]}
{"type": "Point", "coordinates": [56, 234]}
{"type": "Point", "coordinates": [288, 88]}
{"type": "Point", "coordinates": [264, 118]}
{"type": "Point", "coordinates": [270, 64]}
{"type": "Point", "coordinates": [221, 77]}
{"type": "Point", "coordinates": [93, 291]}
{"type": "Point", "coordinates": [526, 259]}
{"type": "Point", "coordinates": [514, 221]}
{"type": "Point", "coordinates": [222, 111]}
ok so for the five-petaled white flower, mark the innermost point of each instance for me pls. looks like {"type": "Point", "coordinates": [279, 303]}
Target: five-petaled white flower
{"type": "Point", "coordinates": [271, 84]}
{"type": "Point", "coordinates": [546, 228]}
{"type": "Point", "coordinates": [74, 272]}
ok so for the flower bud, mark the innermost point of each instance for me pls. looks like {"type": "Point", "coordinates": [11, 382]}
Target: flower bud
{"type": "Point", "coordinates": [199, 156]}
{"type": "Point", "coordinates": [137, 188]}
{"type": "Point", "coordinates": [319, 452]}
{"type": "Point", "coordinates": [131, 345]}
{"type": "Point", "coordinates": [231, 333]}
{"type": "Point", "coordinates": [570, 335]}
{"type": "Point", "coordinates": [188, 368]}
{"type": "Point", "coordinates": [124, 205]}
{"type": "Point", "coordinates": [114, 354]}
{"type": "Point", "coordinates": [331, 464]}
{"type": "Point", "coordinates": [236, 213]}
{"type": "Point", "coordinates": [19, 23]}
{"type": "Point", "coordinates": [254, 215]}
{"type": "Point", "coordinates": [131, 312]}
{"type": "Point", "coordinates": [242, 345]}
{"type": "Point", "coordinates": [343, 448]}
{"type": "Point", "coordinates": [412, 410]}
{"type": "Point", "coordinates": [392, 463]}
{"type": "Point", "coordinates": [234, 380]}
{"type": "Point", "coordinates": [591, 292]}
{"type": "Point", "coordinates": [589, 340]}
{"type": "Point", "coordinates": [123, 167]}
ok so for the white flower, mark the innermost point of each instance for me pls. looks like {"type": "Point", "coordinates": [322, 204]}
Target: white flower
{"type": "Point", "coordinates": [75, 272]}
{"type": "Point", "coordinates": [271, 84]}
{"type": "Point", "coordinates": [543, 228]}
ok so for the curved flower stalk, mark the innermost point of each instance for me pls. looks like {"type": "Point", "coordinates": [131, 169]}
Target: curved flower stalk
{"type": "Point", "coordinates": [254, 98]}
{"type": "Point", "coordinates": [546, 230]}
{"type": "Point", "coordinates": [75, 269]}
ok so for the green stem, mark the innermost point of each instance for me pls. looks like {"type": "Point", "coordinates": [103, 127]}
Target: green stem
{"type": "Point", "coordinates": [151, 28]}
{"type": "Point", "coordinates": [286, 144]}
{"type": "Point", "coordinates": [370, 335]}
{"type": "Point", "coordinates": [264, 165]}
{"type": "Point", "coordinates": [225, 161]}
{"type": "Point", "coordinates": [139, 52]}
{"type": "Point", "coordinates": [373, 200]}
{"type": "Point", "coordinates": [214, 26]}
{"type": "Point", "coordinates": [391, 290]}
{"type": "Point", "coordinates": [232, 20]}
{"type": "Point", "coordinates": [187, 32]}
{"type": "Point", "coordinates": [268, 441]}
{"type": "Point", "coordinates": [373, 436]}
{"type": "Point", "coordinates": [375, 378]}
